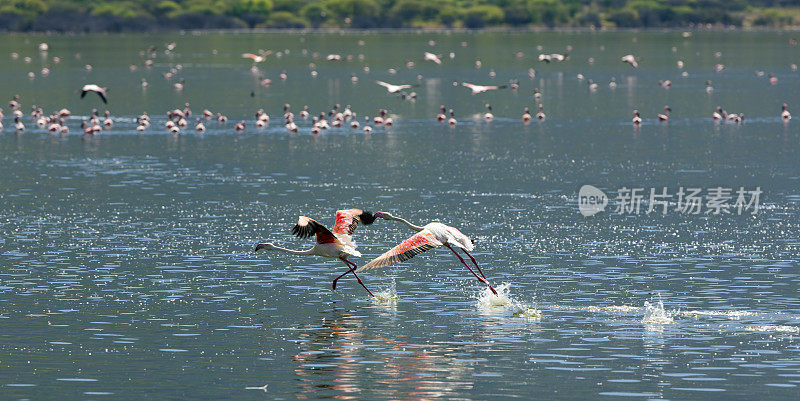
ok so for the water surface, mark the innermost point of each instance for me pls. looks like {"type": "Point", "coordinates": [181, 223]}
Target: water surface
{"type": "Point", "coordinates": [128, 264]}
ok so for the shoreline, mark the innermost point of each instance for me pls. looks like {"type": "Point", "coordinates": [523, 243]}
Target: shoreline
{"type": "Point", "coordinates": [440, 31]}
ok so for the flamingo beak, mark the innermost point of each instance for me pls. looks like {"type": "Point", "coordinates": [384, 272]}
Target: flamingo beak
{"type": "Point", "coordinates": [259, 246]}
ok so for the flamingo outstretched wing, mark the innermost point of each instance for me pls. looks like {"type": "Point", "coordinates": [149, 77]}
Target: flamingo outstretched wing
{"type": "Point", "coordinates": [418, 243]}
{"type": "Point", "coordinates": [306, 227]}
{"type": "Point", "coordinates": [383, 84]}
{"type": "Point", "coordinates": [347, 220]}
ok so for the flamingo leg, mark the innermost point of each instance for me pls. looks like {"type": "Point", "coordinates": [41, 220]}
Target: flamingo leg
{"type": "Point", "coordinates": [475, 263]}
{"type": "Point", "coordinates": [481, 279]}
{"type": "Point", "coordinates": [352, 267]}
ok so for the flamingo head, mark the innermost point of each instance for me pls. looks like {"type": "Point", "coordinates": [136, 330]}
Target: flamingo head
{"type": "Point", "coordinates": [367, 218]}
{"type": "Point", "coordinates": [264, 245]}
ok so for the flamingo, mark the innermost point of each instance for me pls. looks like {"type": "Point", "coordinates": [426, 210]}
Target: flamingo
{"type": "Point", "coordinates": [526, 115]}
{"type": "Point", "coordinates": [540, 115]}
{"type": "Point", "coordinates": [552, 57]}
{"type": "Point", "coordinates": [665, 117]}
{"type": "Point", "coordinates": [441, 116]}
{"type": "Point", "coordinates": [93, 88]}
{"type": "Point", "coordinates": [719, 114]}
{"type": "Point", "coordinates": [630, 59]}
{"type": "Point", "coordinates": [488, 116]}
{"type": "Point", "coordinates": [428, 237]}
{"type": "Point", "coordinates": [637, 120]}
{"type": "Point", "coordinates": [785, 115]}
{"type": "Point", "coordinates": [432, 57]}
{"type": "Point", "coordinates": [393, 88]}
{"type": "Point", "coordinates": [330, 244]}
{"type": "Point", "coordinates": [476, 89]}
{"type": "Point", "coordinates": [256, 58]}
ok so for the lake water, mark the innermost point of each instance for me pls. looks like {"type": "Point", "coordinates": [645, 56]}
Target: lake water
{"type": "Point", "coordinates": [128, 269]}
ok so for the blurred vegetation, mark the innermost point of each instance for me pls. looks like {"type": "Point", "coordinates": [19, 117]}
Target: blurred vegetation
{"type": "Point", "coordinates": [139, 15]}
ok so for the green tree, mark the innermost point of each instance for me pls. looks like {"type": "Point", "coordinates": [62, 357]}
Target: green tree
{"type": "Point", "coordinates": [315, 13]}
{"type": "Point", "coordinates": [359, 13]}
{"type": "Point", "coordinates": [251, 12]}
{"type": "Point", "coordinates": [480, 16]}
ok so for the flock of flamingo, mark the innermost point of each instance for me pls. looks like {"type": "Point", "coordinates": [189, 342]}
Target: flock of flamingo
{"type": "Point", "coordinates": [338, 243]}
{"type": "Point", "coordinates": [180, 119]}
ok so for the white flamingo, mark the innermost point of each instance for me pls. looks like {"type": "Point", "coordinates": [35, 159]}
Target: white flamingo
{"type": "Point", "coordinates": [330, 244]}
{"type": "Point", "coordinates": [432, 57]}
{"type": "Point", "coordinates": [665, 117]}
{"type": "Point", "coordinates": [630, 59]}
{"type": "Point", "coordinates": [393, 88]}
{"type": "Point", "coordinates": [476, 89]}
{"type": "Point", "coordinates": [428, 237]}
{"type": "Point", "coordinates": [93, 88]}
{"type": "Point", "coordinates": [255, 57]}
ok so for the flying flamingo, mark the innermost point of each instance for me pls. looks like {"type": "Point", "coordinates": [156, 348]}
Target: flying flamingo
{"type": "Point", "coordinates": [432, 57]}
{"type": "Point", "coordinates": [476, 89]}
{"type": "Point", "coordinates": [393, 88]}
{"type": "Point", "coordinates": [256, 58]}
{"type": "Point", "coordinates": [330, 244]}
{"type": "Point", "coordinates": [93, 88]}
{"type": "Point", "coordinates": [630, 59]}
{"type": "Point", "coordinates": [428, 237]}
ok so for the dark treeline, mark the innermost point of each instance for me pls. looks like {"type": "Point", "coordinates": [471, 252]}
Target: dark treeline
{"type": "Point", "coordinates": [147, 15]}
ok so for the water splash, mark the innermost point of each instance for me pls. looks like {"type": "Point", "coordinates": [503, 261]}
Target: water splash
{"type": "Point", "coordinates": [775, 328]}
{"type": "Point", "coordinates": [731, 314]}
{"type": "Point", "coordinates": [656, 314]}
{"type": "Point", "coordinates": [489, 302]}
{"type": "Point", "coordinates": [386, 296]}
{"type": "Point", "coordinates": [613, 309]}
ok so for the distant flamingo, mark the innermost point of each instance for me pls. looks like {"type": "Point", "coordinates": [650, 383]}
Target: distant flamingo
{"type": "Point", "coordinates": [665, 117]}
{"type": "Point", "coordinates": [785, 115]}
{"type": "Point", "coordinates": [441, 116]}
{"type": "Point", "coordinates": [428, 237]}
{"type": "Point", "coordinates": [526, 115]}
{"type": "Point", "coordinates": [630, 59]}
{"type": "Point", "coordinates": [93, 88]}
{"type": "Point", "coordinates": [330, 244]}
{"type": "Point", "coordinates": [393, 88]}
{"type": "Point", "coordinates": [540, 115]}
{"type": "Point", "coordinates": [432, 57]}
{"type": "Point", "coordinates": [256, 58]}
{"type": "Point", "coordinates": [637, 120]}
{"type": "Point", "coordinates": [476, 89]}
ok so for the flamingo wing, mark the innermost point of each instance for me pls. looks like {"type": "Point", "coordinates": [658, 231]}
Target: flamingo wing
{"type": "Point", "coordinates": [347, 220]}
{"type": "Point", "coordinates": [418, 243]}
{"type": "Point", "coordinates": [102, 95]}
{"type": "Point", "coordinates": [307, 227]}
{"type": "Point", "coordinates": [250, 56]}
{"type": "Point", "coordinates": [384, 84]}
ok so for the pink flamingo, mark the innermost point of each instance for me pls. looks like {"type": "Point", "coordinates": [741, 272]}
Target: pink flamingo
{"type": "Point", "coordinates": [428, 237]}
{"type": "Point", "coordinates": [330, 244]}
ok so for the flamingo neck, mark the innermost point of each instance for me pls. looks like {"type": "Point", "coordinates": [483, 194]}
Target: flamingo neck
{"type": "Point", "coordinates": [294, 252]}
{"type": "Point", "coordinates": [406, 222]}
